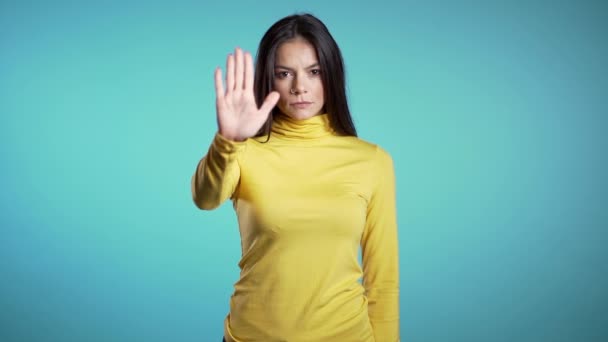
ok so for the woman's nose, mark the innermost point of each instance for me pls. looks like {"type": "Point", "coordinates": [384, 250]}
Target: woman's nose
{"type": "Point", "coordinates": [298, 86]}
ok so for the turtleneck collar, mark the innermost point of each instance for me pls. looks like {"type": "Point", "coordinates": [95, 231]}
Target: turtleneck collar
{"type": "Point", "coordinates": [315, 127]}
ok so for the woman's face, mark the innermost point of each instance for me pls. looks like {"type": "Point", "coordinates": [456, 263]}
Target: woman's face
{"type": "Point", "coordinates": [297, 78]}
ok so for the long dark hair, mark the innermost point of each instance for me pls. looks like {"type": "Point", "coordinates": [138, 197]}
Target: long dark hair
{"type": "Point", "coordinates": [316, 33]}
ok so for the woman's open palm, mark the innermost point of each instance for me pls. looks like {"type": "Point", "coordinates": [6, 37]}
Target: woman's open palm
{"type": "Point", "coordinates": [238, 116]}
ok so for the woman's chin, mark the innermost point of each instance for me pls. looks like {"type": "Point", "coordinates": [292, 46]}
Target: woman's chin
{"type": "Point", "coordinates": [302, 114]}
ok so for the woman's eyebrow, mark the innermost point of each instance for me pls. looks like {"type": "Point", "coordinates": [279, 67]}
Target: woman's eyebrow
{"type": "Point", "coordinates": [290, 69]}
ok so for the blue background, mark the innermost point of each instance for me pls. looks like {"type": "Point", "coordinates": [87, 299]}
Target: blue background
{"type": "Point", "coordinates": [496, 115]}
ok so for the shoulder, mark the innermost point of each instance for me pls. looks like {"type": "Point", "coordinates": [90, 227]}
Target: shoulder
{"type": "Point", "coordinates": [371, 151]}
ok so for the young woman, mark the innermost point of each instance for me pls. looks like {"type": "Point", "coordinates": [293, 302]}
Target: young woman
{"type": "Point", "coordinates": [307, 193]}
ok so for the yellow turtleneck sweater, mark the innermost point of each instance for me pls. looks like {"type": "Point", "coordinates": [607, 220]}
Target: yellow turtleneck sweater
{"type": "Point", "coordinates": [306, 200]}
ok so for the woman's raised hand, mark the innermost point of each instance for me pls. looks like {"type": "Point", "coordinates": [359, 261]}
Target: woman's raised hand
{"type": "Point", "coordinates": [238, 116]}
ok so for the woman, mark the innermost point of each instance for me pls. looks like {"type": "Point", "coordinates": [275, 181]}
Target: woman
{"type": "Point", "coordinates": [307, 193]}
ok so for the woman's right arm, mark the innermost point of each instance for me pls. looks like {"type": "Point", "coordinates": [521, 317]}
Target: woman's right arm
{"type": "Point", "coordinates": [238, 118]}
{"type": "Point", "coordinates": [217, 174]}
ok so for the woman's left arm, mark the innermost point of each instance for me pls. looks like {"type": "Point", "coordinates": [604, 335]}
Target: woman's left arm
{"type": "Point", "coordinates": [380, 252]}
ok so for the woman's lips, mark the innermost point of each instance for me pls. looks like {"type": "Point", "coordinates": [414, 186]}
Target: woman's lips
{"type": "Point", "coordinates": [301, 105]}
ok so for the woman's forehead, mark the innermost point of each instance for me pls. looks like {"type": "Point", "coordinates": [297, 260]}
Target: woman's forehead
{"type": "Point", "coordinates": [296, 53]}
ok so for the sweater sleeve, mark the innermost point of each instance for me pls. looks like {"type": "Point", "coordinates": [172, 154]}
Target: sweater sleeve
{"type": "Point", "coordinates": [217, 174]}
{"type": "Point", "coordinates": [380, 253]}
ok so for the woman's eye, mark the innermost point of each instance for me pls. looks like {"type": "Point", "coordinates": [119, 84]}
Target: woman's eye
{"type": "Point", "coordinates": [315, 71]}
{"type": "Point", "coordinates": [282, 74]}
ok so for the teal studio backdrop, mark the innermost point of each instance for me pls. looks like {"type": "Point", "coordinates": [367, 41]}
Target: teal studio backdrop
{"type": "Point", "coordinates": [496, 115]}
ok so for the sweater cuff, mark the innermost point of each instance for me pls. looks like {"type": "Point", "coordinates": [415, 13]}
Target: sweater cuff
{"type": "Point", "coordinates": [224, 145]}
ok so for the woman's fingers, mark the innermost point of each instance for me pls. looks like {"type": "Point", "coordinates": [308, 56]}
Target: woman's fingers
{"type": "Point", "coordinates": [229, 73]}
{"type": "Point", "coordinates": [269, 103]}
{"type": "Point", "coordinates": [239, 69]}
{"type": "Point", "coordinates": [219, 89]}
{"type": "Point", "coordinates": [248, 72]}
{"type": "Point", "coordinates": [219, 85]}
{"type": "Point", "coordinates": [239, 76]}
